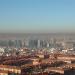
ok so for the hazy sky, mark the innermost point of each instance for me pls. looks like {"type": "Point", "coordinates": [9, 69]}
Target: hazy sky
{"type": "Point", "coordinates": [37, 16]}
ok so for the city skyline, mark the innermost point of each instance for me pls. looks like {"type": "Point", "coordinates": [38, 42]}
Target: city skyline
{"type": "Point", "coordinates": [37, 16]}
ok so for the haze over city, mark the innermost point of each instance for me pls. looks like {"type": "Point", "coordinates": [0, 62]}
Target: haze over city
{"type": "Point", "coordinates": [37, 37]}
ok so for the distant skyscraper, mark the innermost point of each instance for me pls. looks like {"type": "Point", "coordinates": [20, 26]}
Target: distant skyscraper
{"type": "Point", "coordinates": [43, 43]}
{"type": "Point", "coordinates": [33, 43]}
{"type": "Point", "coordinates": [18, 43]}
{"type": "Point", "coordinates": [38, 43]}
{"type": "Point", "coordinates": [48, 45]}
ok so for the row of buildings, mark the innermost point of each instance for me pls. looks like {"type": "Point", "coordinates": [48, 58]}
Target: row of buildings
{"type": "Point", "coordinates": [40, 64]}
{"type": "Point", "coordinates": [36, 43]}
